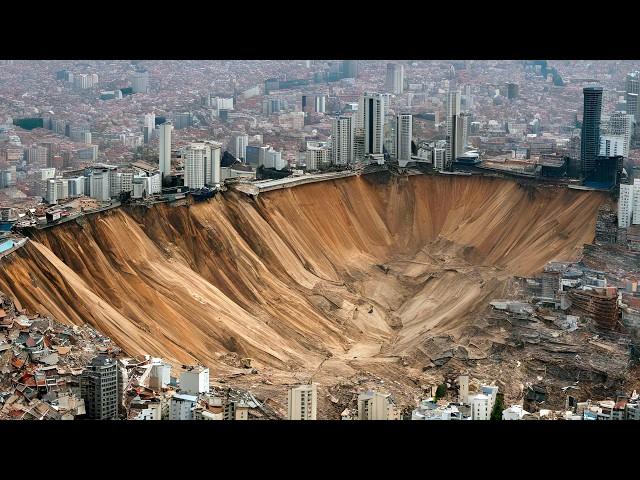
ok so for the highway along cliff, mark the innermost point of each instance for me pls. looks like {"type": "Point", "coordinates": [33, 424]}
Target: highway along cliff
{"type": "Point", "coordinates": [330, 279]}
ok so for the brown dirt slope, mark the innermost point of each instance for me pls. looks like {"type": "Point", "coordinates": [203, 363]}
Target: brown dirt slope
{"type": "Point", "coordinates": [295, 276]}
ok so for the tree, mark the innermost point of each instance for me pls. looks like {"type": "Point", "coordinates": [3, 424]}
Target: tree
{"type": "Point", "coordinates": [498, 407]}
{"type": "Point", "coordinates": [441, 391]}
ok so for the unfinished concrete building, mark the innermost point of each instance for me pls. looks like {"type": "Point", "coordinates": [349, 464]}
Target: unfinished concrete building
{"type": "Point", "coordinates": [606, 225]}
{"type": "Point", "coordinates": [600, 304]}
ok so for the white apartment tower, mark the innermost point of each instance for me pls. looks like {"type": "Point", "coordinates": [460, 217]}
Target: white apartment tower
{"type": "Point", "coordinates": [404, 133]}
{"type": "Point", "coordinates": [621, 123]}
{"type": "Point", "coordinates": [480, 407]}
{"type": "Point", "coordinates": [202, 164]}
{"type": "Point", "coordinates": [302, 402]}
{"type": "Point", "coordinates": [239, 146]}
{"type": "Point", "coordinates": [635, 203]}
{"type": "Point", "coordinates": [342, 147]}
{"type": "Point", "coordinates": [625, 205]}
{"type": "Point", "coordinates": [371, 119]}
{"type": "Point", "coordinates": [377, 406]}
{"type": "Point", "coordinates": [463, 389]}
{"type": "Point", "coordinates": [612, 146]}
{"type": "Point", "coordinates": [165, 148]}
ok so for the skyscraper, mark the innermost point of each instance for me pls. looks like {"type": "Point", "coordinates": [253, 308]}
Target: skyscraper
{"type": "Point", "coordinates": [395, 78]}
{"type": "Point", "coordinates": [350, 68]}
{"type": "Point", "coordinates": [342, 141]}
{"type": "Point", "coordinates": [99, 388]}
{"type": "Point", "coordinates": [590, 144]}
{"type": "Point", "coordinates": [621, 123]}
{"type": "Point", "coordinates": [202, 164]}
{"type": "Point", "coordinates": [239, 146]}
{"type": "Point", "coordinates": [404, 132]}
{"type": "Point", "coordinates": [165, 148]}
{"type": "Point", "coordinates": [454, 149]}
{"type": "Point", "coordinates": [140, 82]}
{"type": "Point", "coordinates": [371, 119]}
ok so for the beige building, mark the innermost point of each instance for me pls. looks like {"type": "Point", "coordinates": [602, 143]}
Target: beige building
{"type": "Point", "coordinates": [377, 406]}
{"type": "Point", "coordinates": [302, 402]}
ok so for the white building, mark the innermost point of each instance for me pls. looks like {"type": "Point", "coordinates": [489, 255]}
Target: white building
{"type": "Point", "coordinates": [316, 155]}
{"type": "Point", "coordinates": [160, 374]}
{"type": "Point", "coordinates": [613, 145]}
{"type": "Point", "coordinates": [195, 380]}
{"type": "Point", "coordinates": [100, 187]}
{"type": "Point", "coordinates": [202, 164]}
{"type": "Point", "coordinates": [377, 406]}
{"type": "Point", "coordinates": [51, 196]}
{"type": "Point", "coordinates": [404, 135]}
{"type": "Point", "coordinates": [76, 186]}
{"type": "Point", "coordinates": [514, 412]}
{"type": "Point", "coordinates": [302, 402]}
{"type": "Point", "coordinates": [439, 158]}
{"type": "Point", "coordinates": [152, 412]}
{"type": "Point", "coordinates": [371, 119]}
{"type": "Point", "coordinates": [342, 146]}
{"type": "Point", "coordinates": [625, 205]}
{"type": "Point", "coordinates": [62, 188]}
{"type": "Point", "coordinates": [182, 407]}
{"type": "Point", "coordinates": [621, 123]}
{"type": "Point", "coordinates": [239, 146]}
{"type": "Point", "coordinates": [490, 391]}
{"type": "Point", "coordinates": [48, 173]}
{"type": "Point", "coordinates": [480, 407]}
{"type": "Point", "coordinates": [165, 148]}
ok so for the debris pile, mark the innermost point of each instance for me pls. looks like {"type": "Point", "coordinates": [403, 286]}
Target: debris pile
{"type": "Point", "coordinates": [41, 361]}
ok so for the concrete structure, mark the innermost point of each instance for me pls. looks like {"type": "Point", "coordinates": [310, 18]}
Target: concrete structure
{"type": "Point", "coordinates": [371, 119]}
{"type": "Point", "coordinates": [404, 135]}
{"type": "Point", "coordinates": [99, 388]}
{"type": "Point", "coordinates": [194, 380]}
{"type": "Point", "coordinates": [613, 145]}
{"type": "Point", "coordinates": [342, 140]}
{"type": "Point", "coordinates": [100, 186]}
{"type": "Point", "coordinates": [377, 406]}
{"type": "Point", "coordinates": [316, 156]}
{"type": "Point", "coordinates": [621, 123]}
{"type": "Point", "coordinates": [480, 407]}
{"type": "Point", "coordinates": [182, 406]}
{"type": "Point", "coordinates": [165, 149]}
{"type": "Point", "coordinates": [302, 402]}
{"type": "Point", "coordinates": [454, 146]}
{"type": "Point", "coordinates": [625, 205]}
{"type": "Point", "coordinates": [514, 412]}
{"type": "Point", "coordinates": [239, 146]}
{"type": "Point", "coordinates": [590, 144]}
{"type": "Point", "coordinates": [395, 78]}
{"type": "Point", "coordinates": [140, 82]}
{"type": "Point", "coordinates": [463, 389]}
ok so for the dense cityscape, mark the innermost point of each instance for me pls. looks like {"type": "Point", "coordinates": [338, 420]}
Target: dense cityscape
{"type": "Point", "coordinates": [195, 184]}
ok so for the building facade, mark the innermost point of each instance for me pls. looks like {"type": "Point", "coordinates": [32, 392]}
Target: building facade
{"type": "Point", "coordinates": [99, 388]}
{"type": "Point", "coordinates": [302, 402]}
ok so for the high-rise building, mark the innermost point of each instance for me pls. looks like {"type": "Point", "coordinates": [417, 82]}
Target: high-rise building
{"type": "Point", "coordinates": [183, 120]}
{"type": "Point", "coordinates": [314, 103]}
{"type": "Point", "coordinates": [239, 146]}
{"type": "Point", "coordinates": [194, 380]}
{"type": "Point", "coordinates": [454, 147]}
{"type": "Point", "coordinates": [377, 406]}
{"type": "Point", "coordinates": [480, 407]}
{"type": "Point", "coordinates": [350, 68]}
{"type": "Point", "coordinates": [99, 388]}
{"type": "Point", "coordinates": [463, 389]}
{"type": "Point", "coordinates": [100, 185]}
{"type": "Point", "coordinates": [371, 120]}
{"type": "Point", "coordinates": [165, 149]}
{"type": "Point", "coordinates": [632, 89]}
{"type": "Point", "coordinates": [202, 164]}
{"type": "Point", "coordinates": [404, 134]}
{"type": "Point", "coordinates": [513, 90]}
{"type": "Point", "coordinates": [316, 156]}
{"type": "Point", "coordinates": [395, 78]}
{"type": "Point", "coordinates": [621, 123]}
{"type": "Point", "coordinates": [302, 402]}
{"type": "Point", "coordinates": [625, 205]}
{"type": "Point", "coordinates": [590, 144]}
{"type": "Point", "coordinates": [612, 146]}
{"type": "Point", "coordinates": [140, 82]}
{"type": "Point", "coordinates": [342, 141]}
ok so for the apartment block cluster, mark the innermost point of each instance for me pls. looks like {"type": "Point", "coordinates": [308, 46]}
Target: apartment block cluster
{"type": "Point", "coordinates": [101, 182]}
